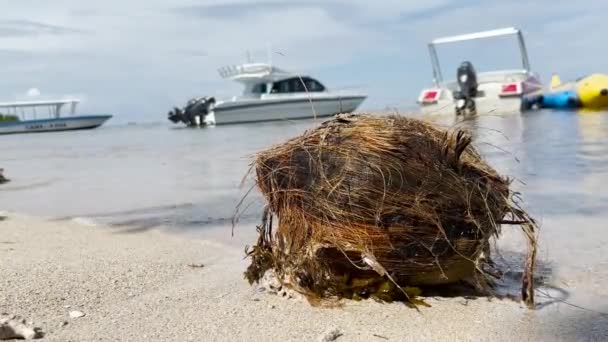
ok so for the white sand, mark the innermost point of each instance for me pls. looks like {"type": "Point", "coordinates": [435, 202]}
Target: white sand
{"type": "Point", "coordinates": [139, 287]}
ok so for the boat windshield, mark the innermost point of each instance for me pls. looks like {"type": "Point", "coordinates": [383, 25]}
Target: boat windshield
{"type": "Point", "coordinates": [297, 85]}
{"type": "Point", "coordinates": [260, 88]}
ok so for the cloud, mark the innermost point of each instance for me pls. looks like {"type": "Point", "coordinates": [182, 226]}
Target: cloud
{"type": "Point", "coordinates": [31, 28]}
{"type": "Point", "coordinates": [359, 11]}
{"type": "Point", "coordinates": [561, 35]}
{"type": "Point", "coordinates": [33, 92]}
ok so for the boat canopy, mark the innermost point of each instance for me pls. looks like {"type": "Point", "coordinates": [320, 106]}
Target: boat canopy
{"type": "Point", "coordinates": [53, 106]}
{"type": "Point", "coordinates": [477, 35]}
{"type": "Point", "coordinates": [508, 31]}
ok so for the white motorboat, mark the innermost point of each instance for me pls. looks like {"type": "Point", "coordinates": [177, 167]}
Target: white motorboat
{"type": "Point", "coordinates": [479, 93]}
{"type": "Point", "coordinates": [269, 94]}
{"type": "Point", "coordinates": [27, 117]}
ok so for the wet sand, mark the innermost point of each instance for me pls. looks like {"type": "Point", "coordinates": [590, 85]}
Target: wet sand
{"type": "Point", "coordinates": [140, 287]}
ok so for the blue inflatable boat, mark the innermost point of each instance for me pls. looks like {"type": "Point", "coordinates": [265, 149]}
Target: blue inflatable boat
{"type": "Point", "coordinates": [567, 99]}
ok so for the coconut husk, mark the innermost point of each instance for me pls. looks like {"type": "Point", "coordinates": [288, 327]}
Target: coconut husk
{"type": "Point", "coordinates": [365, 205]}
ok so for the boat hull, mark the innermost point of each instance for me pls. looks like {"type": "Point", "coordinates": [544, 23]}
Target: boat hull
{"type": "Point", "coordinates": [483, 107]}
{"type": "Point", "coordinates": [54, 125]}
{"type": "Point", "coordinates": [489, 99]}
{"type": "Point", "coordinates": [291, 109]}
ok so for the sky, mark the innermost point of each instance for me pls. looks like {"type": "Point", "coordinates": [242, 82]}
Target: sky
{"type": "Point", "coordinates": [138, 58]}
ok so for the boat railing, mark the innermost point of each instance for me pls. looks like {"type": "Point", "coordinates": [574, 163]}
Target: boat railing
{"type": "Point", "coordinates": [232, 71]}
{"type": "Point", "coordinates": [253, 71]}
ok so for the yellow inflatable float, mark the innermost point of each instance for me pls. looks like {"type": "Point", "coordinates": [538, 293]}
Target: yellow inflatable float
{"type": "Point", "coordinates": [589, 93]}
{"type": "Point", "coordinates": [593, 91]}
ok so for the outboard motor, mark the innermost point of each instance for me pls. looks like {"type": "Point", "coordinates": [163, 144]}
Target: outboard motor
{"type": "Point", "coordinates": [176, 115]}
{"type": "Point", "coordinates": [467, 84]}
{"type": "Point", "coordinates": [193, 114]}
{"type": "Point", "coordinates": [2, 178]}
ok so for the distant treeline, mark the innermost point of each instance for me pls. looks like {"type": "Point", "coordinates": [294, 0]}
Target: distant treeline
{"type": "Point", "coordinates": [8, 118]}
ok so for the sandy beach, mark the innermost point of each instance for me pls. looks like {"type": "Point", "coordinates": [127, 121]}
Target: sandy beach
{"type": "Point", "coordinates": [149, 286]}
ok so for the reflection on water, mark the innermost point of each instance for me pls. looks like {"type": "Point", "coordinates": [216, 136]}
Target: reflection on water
{"type": "Point", "coordinates": [561, 157]}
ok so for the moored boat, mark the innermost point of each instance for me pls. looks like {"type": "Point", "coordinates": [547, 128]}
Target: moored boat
{"type": "Point", "coordinates": [269, 94]}
{"type": "Point", "coordinates": [23, 117]}
{"type": "Point", "coordinates": [479, 92]}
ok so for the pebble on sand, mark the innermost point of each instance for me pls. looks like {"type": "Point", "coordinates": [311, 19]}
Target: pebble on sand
{"type": "Point", "coordinates": [77, 314]}
{"type": "Point", "coordinates": [13, 327]}
{"type": "Point", "coordinates": [330, 334]}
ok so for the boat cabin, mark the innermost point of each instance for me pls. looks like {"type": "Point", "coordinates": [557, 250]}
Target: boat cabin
{"type": "Point", "coordinates": [262, 79]}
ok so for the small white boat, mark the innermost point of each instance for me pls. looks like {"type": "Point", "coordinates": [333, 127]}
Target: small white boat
{"type": "Point", "coordinates": [479, 93]}
{"type": "Point", "coordinates": [25, 117]}
{"type": "Point", "coordinates": [269, 94]}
